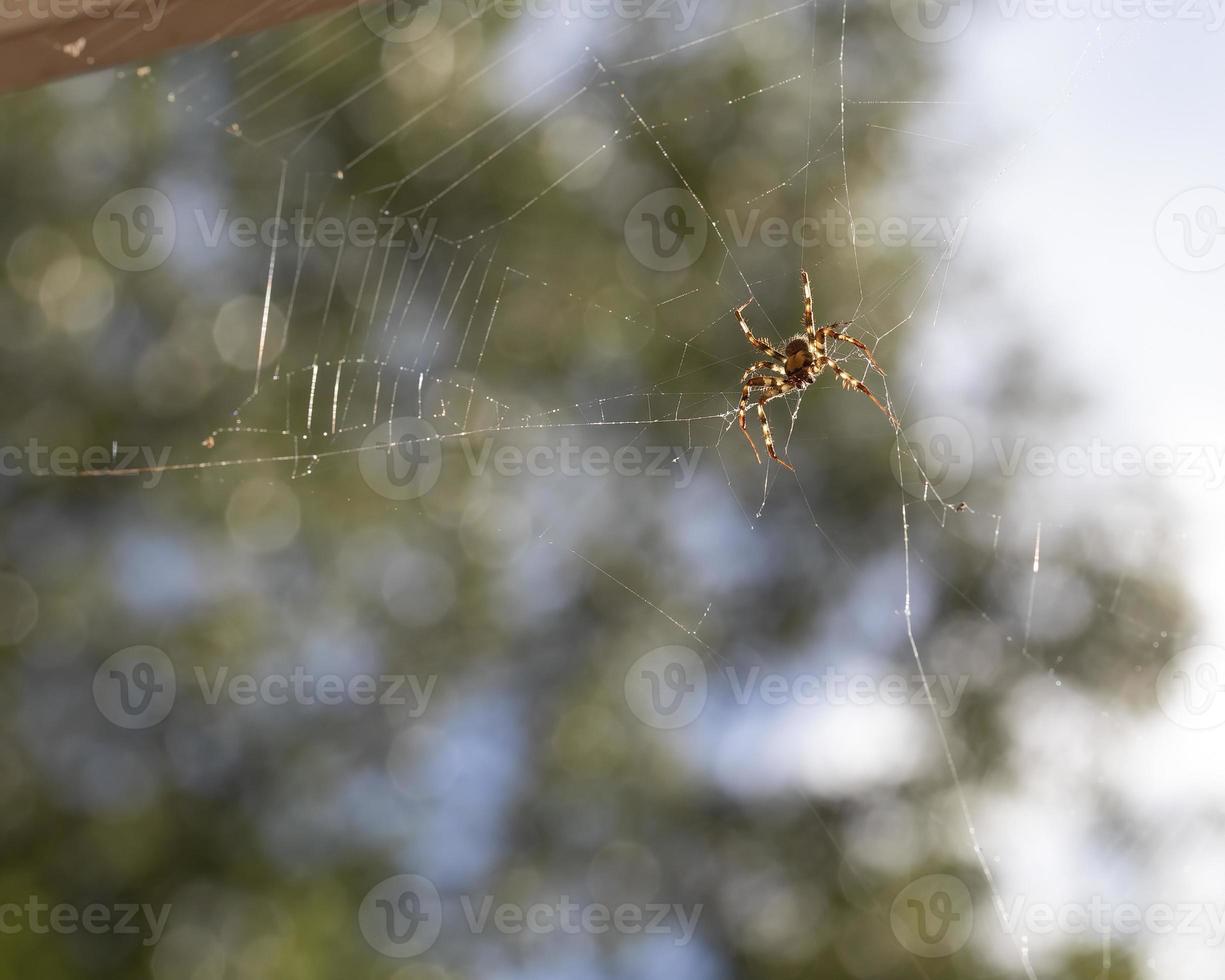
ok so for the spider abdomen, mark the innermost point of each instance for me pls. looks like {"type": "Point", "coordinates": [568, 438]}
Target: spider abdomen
{"type": "Point", "coordinates": [799, 357]}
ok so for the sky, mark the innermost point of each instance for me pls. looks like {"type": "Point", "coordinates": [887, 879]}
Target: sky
{"type": "Point", "coordinates": [1076, 144]}
{"type": "Point", "coordinates": [1087, 138]}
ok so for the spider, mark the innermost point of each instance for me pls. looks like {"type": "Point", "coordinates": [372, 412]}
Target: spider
{"type": "Point", "coordinates": [798, 366]}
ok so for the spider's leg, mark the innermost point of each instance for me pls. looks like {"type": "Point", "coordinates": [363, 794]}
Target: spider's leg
{"type": "Point", "coordinates": [760, 344]}
{"type": "Point", "coordinates": [765, 428]}
{"type": "Point", "coordinates": [851, 383]}
{"type": "Point", "coordinates": [745, 392]}
{"type": "Point", "coordinates": [834, 330]}
{"type": "Point", "coordinates": [763, 366]}
{"type": "Point", "coordinates": [809, 322]}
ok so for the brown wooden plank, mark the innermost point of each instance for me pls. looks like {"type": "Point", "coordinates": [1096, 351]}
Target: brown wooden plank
{"type": "Point", "coordinates": [42, 40]}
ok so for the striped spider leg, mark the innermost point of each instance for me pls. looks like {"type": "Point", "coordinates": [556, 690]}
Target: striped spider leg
{"type": "Point", "coordinates": [818, 337]}
{"type": "Point", "coordinates": [774, 387]}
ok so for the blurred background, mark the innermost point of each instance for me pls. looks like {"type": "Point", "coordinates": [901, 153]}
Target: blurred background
{"type": "Point", "coordinates": [386, 590]}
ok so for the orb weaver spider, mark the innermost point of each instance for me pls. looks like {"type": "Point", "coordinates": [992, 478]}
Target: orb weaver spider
{"type": "Point", "coordinates": [799, 364]}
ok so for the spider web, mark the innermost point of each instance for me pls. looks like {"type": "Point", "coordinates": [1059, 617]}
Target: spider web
{"type": "Point", "coordinates": [471, 298]}
{"type": "Point", "coordinates": [351, 338]}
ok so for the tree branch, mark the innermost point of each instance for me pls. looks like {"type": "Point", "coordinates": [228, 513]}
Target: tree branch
{"type": "Point", "coordinates": [42, 40]}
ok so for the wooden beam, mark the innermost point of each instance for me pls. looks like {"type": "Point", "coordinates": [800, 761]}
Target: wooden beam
{"type": "Point", "coordinates": [42, 40]}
